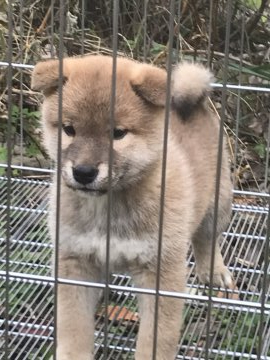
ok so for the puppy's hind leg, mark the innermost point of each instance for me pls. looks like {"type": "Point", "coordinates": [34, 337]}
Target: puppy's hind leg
{"type": "Point", "coordinates": [202, 246]}
{"type": "Point", "coordinates": [75, 312]}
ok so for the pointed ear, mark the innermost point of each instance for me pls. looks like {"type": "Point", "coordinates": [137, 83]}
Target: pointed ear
{"type": "Point", "coordinates": [45, 76]}
{"type": "Point", "coordinates": [149, 83]}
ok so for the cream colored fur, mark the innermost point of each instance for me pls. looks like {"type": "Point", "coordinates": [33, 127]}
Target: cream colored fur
{"type": "Point", "coordinates": [136, 178]}
{"type": "Point", "coordinates": [188, 74]}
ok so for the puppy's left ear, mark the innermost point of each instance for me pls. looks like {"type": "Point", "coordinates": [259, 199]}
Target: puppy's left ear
{"type": "Point", "coordinates": [149, 83]}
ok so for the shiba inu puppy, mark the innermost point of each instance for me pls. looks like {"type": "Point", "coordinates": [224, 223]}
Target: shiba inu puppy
{"type": "Point", "coordinates": [139, 112]}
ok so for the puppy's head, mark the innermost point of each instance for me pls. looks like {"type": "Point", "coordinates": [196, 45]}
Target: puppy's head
{"type": "Point", "coordinates": [86, 109]}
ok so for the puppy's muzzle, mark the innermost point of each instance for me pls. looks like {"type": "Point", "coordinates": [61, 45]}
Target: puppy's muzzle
{"type": "Point", "coordinates": [85, 174]}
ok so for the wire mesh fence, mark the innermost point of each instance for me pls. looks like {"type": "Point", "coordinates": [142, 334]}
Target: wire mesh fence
{"type": "Point", "coordinates": [235, 318]}
{"type": "Point", "coordinates": [218, 323]}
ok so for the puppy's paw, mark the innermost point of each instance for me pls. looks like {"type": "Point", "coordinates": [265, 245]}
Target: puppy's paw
{"type": "Point", "coordinates": [222, 277]}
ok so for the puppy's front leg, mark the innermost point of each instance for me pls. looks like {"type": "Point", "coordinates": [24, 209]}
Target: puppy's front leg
{"type": "Point", "coordinates": [75, 312]}
{"type": "Point", "coordinates": [169, 315]}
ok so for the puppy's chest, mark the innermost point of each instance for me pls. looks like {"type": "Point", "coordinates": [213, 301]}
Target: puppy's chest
{"type": "Point", "coordinates": [132, 241]}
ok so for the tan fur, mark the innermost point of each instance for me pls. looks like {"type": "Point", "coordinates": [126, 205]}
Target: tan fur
{"type": "Point", "coordinates": [136, 179]}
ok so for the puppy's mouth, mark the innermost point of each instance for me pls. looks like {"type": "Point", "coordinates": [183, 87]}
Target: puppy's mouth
{"type": "Point", "coordinates": [91, 192]}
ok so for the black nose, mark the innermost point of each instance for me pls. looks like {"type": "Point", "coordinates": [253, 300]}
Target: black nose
{"type": "Point", "coordinates": [84, 174]}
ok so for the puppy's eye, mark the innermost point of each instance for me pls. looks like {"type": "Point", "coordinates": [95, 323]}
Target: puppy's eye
{"type": "Point", "coordinates": [69, 130]}
{"type": "Point", "coordinates": [118, 134]}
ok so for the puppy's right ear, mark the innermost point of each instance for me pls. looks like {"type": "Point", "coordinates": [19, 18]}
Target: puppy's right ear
{"type": "Point", "coordinates": [45, 76]}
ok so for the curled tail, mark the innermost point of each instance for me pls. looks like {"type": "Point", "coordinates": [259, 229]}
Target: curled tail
{"type": "Point", "coordinates": [190, 87]}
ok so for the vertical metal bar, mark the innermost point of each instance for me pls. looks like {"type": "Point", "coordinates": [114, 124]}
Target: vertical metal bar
{"type": "Point", "coordinates": [238, 109]}
{"type": "Point", "coordinates": [163, 173]}
{"type": "Point", "coordinates": [209, 57]}
{"type": "Point", "coordinates": [21, 83]}
{"type": "Point", "coordinates": [218, 175]}
{"type": "Point", "coordinates": [83, 26]}
{"type": "Point", "coordinates": [58, 173]}
{"type": "Point", "coordinates": [178, 21]}
{"type": "Point", "coordinates": [8, 173]}
{"type": "Point", "coordinates": [110, 155]}
{"type": "Point", "coordinates": [265, 285]}
{"type": "Point", "coordinates": [145, 48]}
{"type": "Point", "coordinates": [52, 30]}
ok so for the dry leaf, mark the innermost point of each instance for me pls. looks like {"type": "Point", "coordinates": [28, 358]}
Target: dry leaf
{"type": "Point", "coordinates": [120, 313]}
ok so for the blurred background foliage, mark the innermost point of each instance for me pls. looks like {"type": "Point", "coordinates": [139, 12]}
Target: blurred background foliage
{"type": "Point", "coordinates": [199, 34]}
